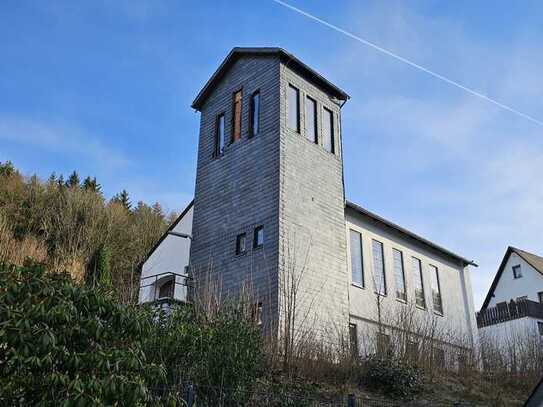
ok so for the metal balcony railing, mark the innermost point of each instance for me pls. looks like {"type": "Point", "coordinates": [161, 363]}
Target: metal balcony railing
{"type": "Point", "coordinates": [509, 311]}
{"type": "Point", "coordinates": [166, 288]}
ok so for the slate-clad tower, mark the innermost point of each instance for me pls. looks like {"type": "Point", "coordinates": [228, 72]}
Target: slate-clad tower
{"type": "Point", "coordinates": [269, 200]}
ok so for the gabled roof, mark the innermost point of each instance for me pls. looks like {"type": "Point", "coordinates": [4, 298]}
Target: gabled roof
{"type": "Point", "coordinates": [409, 234]}
{"type": "Point", "coordinates": [165, 234]}
{"type": "Point", "coordinates": [294, 62]}
{"type": "Point", "coordinates": [532, 259]}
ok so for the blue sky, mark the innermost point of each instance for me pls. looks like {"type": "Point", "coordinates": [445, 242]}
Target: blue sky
{"type": "Point", "coordinates": [105, 87]}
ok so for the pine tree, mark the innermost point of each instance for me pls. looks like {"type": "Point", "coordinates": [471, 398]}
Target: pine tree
{"type": "Point", "coordinates": [52, 179]}
{"type": "Point", "coordinates": [60, 182]}
{"type": "Point", "coordinates": [99, 269]}
{"type": "Point", "coordinates": [123, 199]}
{"type": "Point", "coordinates": [90, 184]}
{"type": "Point", "coordinates": [73, 180]}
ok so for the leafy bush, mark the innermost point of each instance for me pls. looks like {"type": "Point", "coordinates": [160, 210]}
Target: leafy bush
{"type": "Point", "coordinates": [62, 343]}
{"type": "Point", "coordinates": [221, 353]}
{"type": "Point", "coordinates": [393, 376]}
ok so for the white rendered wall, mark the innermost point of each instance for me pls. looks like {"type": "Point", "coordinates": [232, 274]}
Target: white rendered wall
{"type": "Point", "coordinates": [509, 288]}
{"type": "Point", "coordinates": [458, 308]}
{"type": "Point", "coordinates": [171, 256]}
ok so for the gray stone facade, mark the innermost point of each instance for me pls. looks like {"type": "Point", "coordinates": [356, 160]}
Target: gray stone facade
{"type": "Point", "coordinates": [277, 179]}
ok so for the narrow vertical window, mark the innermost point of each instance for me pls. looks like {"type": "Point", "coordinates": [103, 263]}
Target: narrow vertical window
{"type": "Point", "coordinates": [353, 339]}
{"type": "Point", "coordinates": [240, 243]}
{"type": "Point", "coordinates": [399, 275]}
{"type": "Point", "coordinates": [311, 119]}
{"type": "Point", "coordinates": [436, 290]}
{"type": "Point", "coordinates": [219, 135]}
{"type": "Point", "coordinates": [357, 268]}
{"type": "Point", "coordinates": [236, 116]}
{"type": "Point", "coordinates": [517, 272]}
{"type": "Point", "coordinates": [258, 238]}
{"type": "Point", "coordinates": [328, 130]}
{"type": "Point", "coordinates": [293, 108]}
{"type": "Point", "coordinates": [379, 278]}
{"type": "Point", "coordinates": [254, 124]}
{"type": "Point", "coordinates": [418, 283]}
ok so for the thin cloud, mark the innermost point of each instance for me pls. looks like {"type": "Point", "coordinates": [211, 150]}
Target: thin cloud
{"type": "Point", "coordinates": [58, 138]}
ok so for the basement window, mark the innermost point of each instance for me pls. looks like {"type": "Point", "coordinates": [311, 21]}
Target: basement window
{"type": "Point", "coordinates": [258, 238]}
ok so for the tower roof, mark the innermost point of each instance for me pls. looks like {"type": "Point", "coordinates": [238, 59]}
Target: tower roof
{"type": "Point", "coordinates": [293, 62]}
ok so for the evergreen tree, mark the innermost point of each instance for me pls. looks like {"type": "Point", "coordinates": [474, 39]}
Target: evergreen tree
{"type": "Point", "coordinates": [123, 199]}
{"type": "Point", "coordinates": [60, 182]}
{"type": "Point", "coordinates": [73, 180]}
{"type": "Point", "coordinates": [7, 169]}
{"type": "Point", "coordinates": [99, 270]}
{"type": "Point", "coordinates": [90, 184]}
{"type": "Point", "coordinates": [52, 178]}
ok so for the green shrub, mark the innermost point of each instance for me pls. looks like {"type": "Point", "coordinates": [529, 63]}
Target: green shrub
{"type": "Point", "coordinates": [63, 344]}
{"type": "Point", "coordinates": [393, 376]}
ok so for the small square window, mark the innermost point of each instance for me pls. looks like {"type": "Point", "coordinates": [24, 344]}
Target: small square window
{"type": "Point", "coordinates": [258, 240]}
{"type": "Point", "coordinates": [240, 243]}
{"type": "Point", "coordinates": [517, 272]}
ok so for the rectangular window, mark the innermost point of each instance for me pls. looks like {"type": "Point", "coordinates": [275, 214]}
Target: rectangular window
{"type": "Point", "coordinates": [254, 124]}
{"type": "Point", "coordinates": [236, 116]}
{"type": "Point", "coordinates": [328, 130]}
{"type": "Point", "coordinates": [379, 278]}
{"type": "Point", "coordinates": [353, 339]}
{"type": "Point", "coordinates": [540, 327]}
{"type": "Point", "coordinates": [540, 296]}
{"type": "Point", "coordinates": [240, 243]}
{"type": "Point", "coordinates": [383, 344]}
{"type": "Point", "coordinates": [219, 135]}
{"type": "Point", "coordinates": [258, 239]}
{"type": "Point", "coordinates": [436, 290]}
{"type": "Point", "coordinates": [418, 283]}
{"type": "Point", "coordinates": [257, 313]}
{"type": "Point", "coordinates": [311, 119]}
{"type": "Point", "coordinates": [399, 275]}
{"type": "Point", "coordinates": [357, 267]}
{"type": "Point", "coordinates": [517, 272]}
{"type": "Point", "coordinates": [293, 108]}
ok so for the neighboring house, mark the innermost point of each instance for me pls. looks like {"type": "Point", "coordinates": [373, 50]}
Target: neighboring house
{"type": "Point", "coordinates": [513, 306]}
{"type": "Point", "coordinates": [270, 208]}
{"type": "Point", "coordinates": [164, 273]}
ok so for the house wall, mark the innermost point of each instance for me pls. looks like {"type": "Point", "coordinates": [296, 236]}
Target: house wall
{"type": "Point", "coordinates": [458, 309]}
{"type": "Point", "coordinates": [171, 256]}
{"type": "Point", "coordinates": [238, 191]}
{"type": "Point", "coordinates": [311, 216]}
{"type": "Point", "coordinates": [509, 288]}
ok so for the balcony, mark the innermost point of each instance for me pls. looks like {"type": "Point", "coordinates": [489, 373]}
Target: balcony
{"type": "Point", "coordinates": [508, 312]}
{"type": "Point", "coordinates": [165, 289]}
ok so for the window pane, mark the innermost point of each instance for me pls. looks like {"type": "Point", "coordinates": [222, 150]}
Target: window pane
{"type": "Point", "coordinates": [328, 130]}
{"type": "Point", "coordinates": [399, 275]}
{"type": "Point", "coordinates": [418, 283]}
{"type": "Point", "coordinates": [220, 134]}
{"type": "Point", "coordinates": [311, 119]}
{"type": "Point", "coordinates": [258, 237]}
{"type": "Point", "coordinates": [293, 108]}
{"type": "Point", "coordinates": [255, 113]}
{"type": "Point", "coordinates": [436, 290]}
{"type": "Point", "coordinates": [240, 243]}
{"type": "Point", "coordinates": [357, 268]}
{"type": "Point", "coordinates": [379, 279]}
{"type": "Point", "coordinates": [236, 112]}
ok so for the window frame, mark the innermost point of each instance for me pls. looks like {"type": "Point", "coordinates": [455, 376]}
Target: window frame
{"type": "Point", "coordinates": [252, 113]}
{"type": "Point", "coordinates": [402, 264]}
{"type": "Point", "coordinates": [255, 237]}
{"type": "Point", "coordinates": [219, 150]}
{"type": "Point", "coordinates": [315, 138]}
{"type": "Point", "coordinates": [239, 249]}
{"type": "Point", "coordinates": [233, 139]}
{"type": "Point", "coordinates": [292, 87]}
{"type": "Point", "coordinates": [360, 284]}
{"type": "Point", "coordinates": [332, 130]}
{"type": "Point", "coordinates": [382, 251]}
{"type": "Point", "coordinates": [421, 278]}
{"type": "Point", "coordinates": [517, 272]}
{"type": "Point", "coordinates": [168, 280]}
